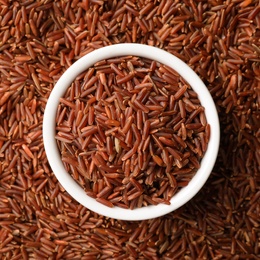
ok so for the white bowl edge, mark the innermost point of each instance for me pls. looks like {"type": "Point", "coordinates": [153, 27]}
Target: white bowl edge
{"type": "Point", "coordinates": [52, 151]}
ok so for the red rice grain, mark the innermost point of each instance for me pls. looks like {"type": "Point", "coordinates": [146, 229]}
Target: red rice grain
{"type": "Point", "coordinates": [133, 120]}
{"type": "Point", "coordinates": [222, 221]}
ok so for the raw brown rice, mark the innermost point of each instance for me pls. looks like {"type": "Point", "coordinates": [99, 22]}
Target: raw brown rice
{"type": "Point", "coordinates": [219, 31]}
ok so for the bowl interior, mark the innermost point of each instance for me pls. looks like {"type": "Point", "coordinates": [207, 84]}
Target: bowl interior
{"type": "Point", "coordinates": [52, 151]}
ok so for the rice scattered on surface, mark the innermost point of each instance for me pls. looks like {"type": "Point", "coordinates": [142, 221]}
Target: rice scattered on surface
{"type": "Point", "coordinates": [39, 40]}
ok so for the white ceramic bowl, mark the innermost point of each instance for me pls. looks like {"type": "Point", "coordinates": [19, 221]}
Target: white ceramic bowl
{"type": "Point", "coordinates": [52, 151]}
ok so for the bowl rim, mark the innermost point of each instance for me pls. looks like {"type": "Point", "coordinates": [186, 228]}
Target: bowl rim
{"type": "Point", "coordinates": [52, 151]}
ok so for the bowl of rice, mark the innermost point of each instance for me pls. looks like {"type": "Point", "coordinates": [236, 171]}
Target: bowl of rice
{"type": "Point", "coordinates": [131, 132]}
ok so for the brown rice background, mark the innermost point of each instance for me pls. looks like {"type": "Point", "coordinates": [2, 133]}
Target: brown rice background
{"type": "Point", "coordinates": [39, 40]}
